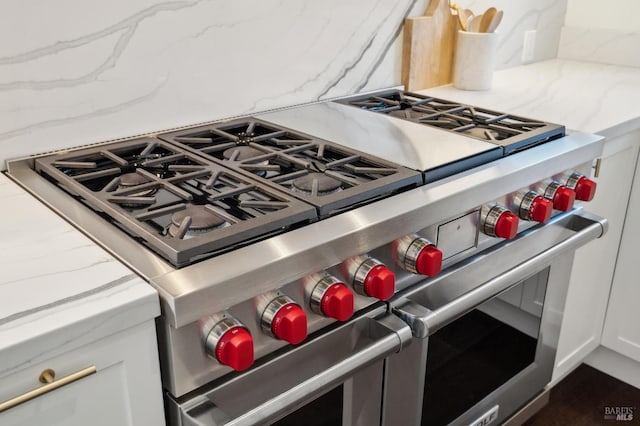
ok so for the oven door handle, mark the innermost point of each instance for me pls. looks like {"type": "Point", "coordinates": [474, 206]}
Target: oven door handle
{"type": "Point", "coordinates": [388, 334]}
{"type": "Point", "coordinates": [424, 322]}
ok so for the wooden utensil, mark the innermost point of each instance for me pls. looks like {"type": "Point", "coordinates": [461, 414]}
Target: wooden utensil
{"type": "Point", "coordinates": [467, 13]}
{"type": "Point", "coordinates": [487, 17]}
{"type": "Point", "coordinates": [462, 21]}
{"type": "Point", "coordinates": [474, 26]}
{"type": "Point", "coordinates": [427, 51]}
{"type": "Point", "coordinates": [463, 16]}
{"type": "Point", "coordinates": [470, 23]}
{"type": "Point", "coordinates": [495, 22]}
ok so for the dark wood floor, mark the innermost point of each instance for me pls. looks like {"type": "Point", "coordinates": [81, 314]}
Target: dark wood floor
{"type": "Point", "coordinates": [584, 397]}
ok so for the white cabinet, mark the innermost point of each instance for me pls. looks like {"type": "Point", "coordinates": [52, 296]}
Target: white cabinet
{"type": "Point", "coordinates": [622, 325]}
{"type": "Point", "coordinates": [594, 264]}
{"type": "Point", "coordinates": [125, 390]}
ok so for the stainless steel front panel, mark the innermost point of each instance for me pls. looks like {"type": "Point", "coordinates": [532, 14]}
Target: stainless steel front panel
{"type": "Point", "coordinates": [350, 355]}
{"type": "Point", "coordinates": [184, 362]}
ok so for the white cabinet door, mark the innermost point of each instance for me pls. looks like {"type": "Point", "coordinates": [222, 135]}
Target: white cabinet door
{"type": "Point", "coordinates": [622, 324]}
{"type": "Point", "coordinates": [97, 400]}
{"type": "Point", "coordinates": [594, 264]}
{"type": "Point", "coordinates": [125, 390]}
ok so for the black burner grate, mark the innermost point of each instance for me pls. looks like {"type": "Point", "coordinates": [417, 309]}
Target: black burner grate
{"type": "Point", "coordinates": [512, 132]}
{"type": "Point", "coordinates": [179, 204]}
{"type": "Point", "coordinates": [328, 175]}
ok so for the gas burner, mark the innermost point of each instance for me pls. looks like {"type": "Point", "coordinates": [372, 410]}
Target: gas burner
{"type": "Point", "coordinates": [240, 153]}
{"type": "Point", "coordinates": [194, 220]}
{"type": "Point", "coordinates": [329, 176]}
{"type": "Point", "coordinates": [133, 179]}
{"type": "Point", "coordinates": [177, 203]}
{"type": "Point", "coordinates": [483, 133]}
{"type": "Point", "coordinates": [245, 155]}
{"type": "Point", "coordinates": [316, 184]}
{"type": "Point", "coordinates": [407, 113]}
{"type": "Point", "coordinates": [128, 180]}
{"type": "Point", "coordinates": [511, 132]}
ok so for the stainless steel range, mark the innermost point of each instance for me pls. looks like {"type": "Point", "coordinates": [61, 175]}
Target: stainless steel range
{"type": "Point", "coordinates": [310, 257]}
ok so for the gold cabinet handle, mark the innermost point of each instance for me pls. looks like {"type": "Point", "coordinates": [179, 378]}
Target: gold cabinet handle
{"type": "Point", "coordinates": [597, 167]}
{"type": "Point", "coordinates": [47, 377]}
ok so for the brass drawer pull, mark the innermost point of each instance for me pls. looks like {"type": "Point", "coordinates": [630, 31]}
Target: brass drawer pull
{"type": "Point", "coordinates": [47, 377]}
{"type": "Point", "coordinates": [597, 167]}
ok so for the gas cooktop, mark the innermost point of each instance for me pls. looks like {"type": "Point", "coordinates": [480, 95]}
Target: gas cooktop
{"type": "Point", "coordinates": [195, 193]}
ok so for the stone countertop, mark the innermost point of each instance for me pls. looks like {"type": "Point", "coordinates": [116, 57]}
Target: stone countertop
{"type": "Point", "coordinates": [57, 287]}
{"type": "Point", "coordinates": [584, 96]}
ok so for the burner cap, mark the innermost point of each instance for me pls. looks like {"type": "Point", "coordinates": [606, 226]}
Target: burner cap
{"type": "Point", "coordinates": [326, 184]}
{"type": "Point", "coordinates": [202, 220]}
{"type": "Point", "coordinates": [483, 133]}
{"type": "Point", "coordinates": [245, 152]}
{"type": "Point", "coordinates": [131, 179]}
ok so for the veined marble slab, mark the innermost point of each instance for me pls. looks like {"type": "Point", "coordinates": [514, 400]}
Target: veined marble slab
{"type": "Point", "coordinates": [603, 46]}
{"type": "Point", "coordinates": [589, 97]}
{"type": "Point", "coordinates": [546, 17]}
{"type": "Point", "coordinates": [57, 287]}
{"type": "Point", "coordinates": [89, 72]}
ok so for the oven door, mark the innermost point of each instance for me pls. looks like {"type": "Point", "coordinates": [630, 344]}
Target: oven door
{"type": "Point", "coordinates": [486, 330]}
{"type": "Point", "coordinates": [334, 379]}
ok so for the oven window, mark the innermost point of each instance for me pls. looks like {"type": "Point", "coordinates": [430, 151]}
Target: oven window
{"type": "Point", "coordinates": [476, 354]}
{"type": "Point", "coordinates": [323, 411]}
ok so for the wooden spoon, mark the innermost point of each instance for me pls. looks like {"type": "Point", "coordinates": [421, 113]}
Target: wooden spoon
{"type": "Point", "coordinates": [487, 17]}
{"type": "Point", "coordinates": [463, 16]}
{"type": "Point", "coordinates": [462, 21]}
{"type": "Point", "coordinates": [474, 25]}
{"type": "Point", "coordinates": [495, 22]}
{"type": "Point", "coordinates": [469, 23]}
{"type": "Point", "coordinates": [466, 14]}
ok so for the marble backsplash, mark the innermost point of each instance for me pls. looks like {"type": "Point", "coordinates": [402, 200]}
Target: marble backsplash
{"type": "Point", "coordinates": [603, 46]}
{"type": "Point", "coordinates": [91, 71]}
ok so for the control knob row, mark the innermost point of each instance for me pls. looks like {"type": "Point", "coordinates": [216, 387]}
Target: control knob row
{"type": "Point", "coordinates": [535, 206]}
{"type": "Point", "coordinates": [230, 342]}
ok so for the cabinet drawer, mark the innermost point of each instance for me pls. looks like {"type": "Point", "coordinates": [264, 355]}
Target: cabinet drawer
{"type": "Point", "coordinates": [98, 399]}
{"type": "Point", "coordinates": [124, 390]}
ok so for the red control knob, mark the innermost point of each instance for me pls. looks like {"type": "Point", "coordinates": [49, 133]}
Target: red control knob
{"type": "Point", "coordinates": [380, 283]}
{"type": "Point", "coordinates": [227, 340]}
{"type": "Point", "coordinates": [329, 296]}
{"type": "Point", "coordinates": [235, 349]}
{"type": "Point", "coordinates": [541, 209]}
{"type": "Point", "coordinates": [585, 189]}
{"type": "Point", "coordinates": [337, 302]}
{"type": "Point", "coordinates": [563, 198]}
{"type": "Point", "coordinates": [417, 255]}
{"type": "Point", "coordinates": [500, 222]}
{"type": "Point", "coordinates": [370, 277]}
{"type": "Point", "coordinates": [290, 324]}
{"type": "Point", "coordinates": [429, 261]}
{"type": "Point", "coordinates": [506, 225]}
